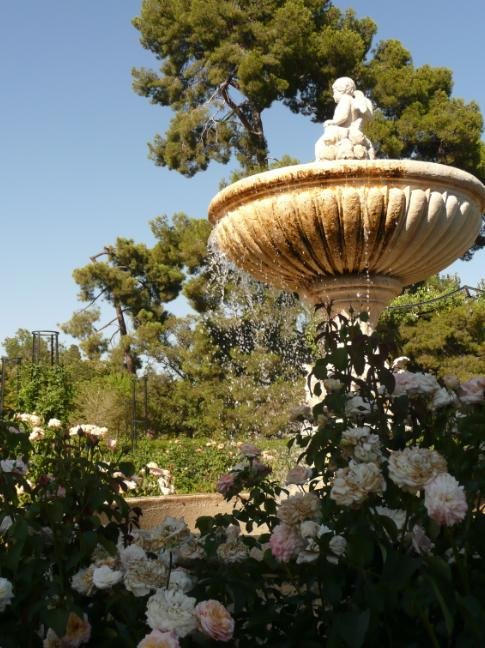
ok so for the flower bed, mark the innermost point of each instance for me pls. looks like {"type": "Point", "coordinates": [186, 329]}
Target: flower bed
{"type": "Point", "coordinates": [376, 538]}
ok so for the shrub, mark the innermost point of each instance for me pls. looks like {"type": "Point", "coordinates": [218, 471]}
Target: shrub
{"type": "Point", "coordinates": [196, 464]}
{"type": "Point", "coordinates": [378, 537]}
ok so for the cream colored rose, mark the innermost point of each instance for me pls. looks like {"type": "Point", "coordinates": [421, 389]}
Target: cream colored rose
{"type": "Point", "coordinates": [169, 610]}
{"type": "Point", "coordinates": [144, 575]}
{"type": "Point", "coordinates": [359, 444]}
{"type": "Point", "coordinates": [412, 468]}
{"type": "Point", "coordinates": [297, 508]}
{"type": "Point", "coordinates": [168, 535]}
{"type": "Point", "coordinates": [214, 620]}
{"type": "Point", "coordinates": [414, 384]}
{"type": "Point", "coordinates": [82, 581]}
{"type": "Point", "coordinates": [232, 552]}
{"type": "Point", "coordinates": [352, 485]}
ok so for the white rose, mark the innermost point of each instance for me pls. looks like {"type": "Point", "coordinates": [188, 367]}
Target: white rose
{"type": "Point", "coordinates": [171, 610]}
{"type": "Point", "coordinates": [445, 500]}
{"type": "Point", "coordinates": [105, 577]}
{"type": "Point", "coordinates": [6, 593]}
{"type": "Point", "coordinates": [356, 406]}
{"type": "Point", "coordinates": [414, 384]}
{"type": "Point", "coordinates": [323, 529]}
{"type": "Point", "coordinates": [400, 363]}
{"type": "Point", "coordinates": [338, 545]}
{"type": "Point", "coordinates": [309, 529]}
{"type": "Point", "coordinates": [13, 466]}
{"type": "Point", "coordinates": [54, 423]}
{"type": "Point", "coordinates": [181, 580]}
{"type": "Point", "coordinates": [131, 553]}
{"type": "Point", "coordinates": [6, 524]}
{"type": "Point", "coordinates": [441, 398]}
{"type": "Point", "coordinates": [398, 516]}
{"type": "Point", "coordinates": [36, 434]}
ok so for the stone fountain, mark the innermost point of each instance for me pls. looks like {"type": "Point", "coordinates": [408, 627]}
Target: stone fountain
{"type": "Point", "coordinates": [348, 229]}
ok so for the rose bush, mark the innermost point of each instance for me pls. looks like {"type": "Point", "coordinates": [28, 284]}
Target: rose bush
{"type": "Point", "coordinates": [377, 537]}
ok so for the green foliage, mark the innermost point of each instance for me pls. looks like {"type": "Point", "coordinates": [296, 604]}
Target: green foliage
{"type": "Point", "coordinates": [445, 336]}
{"type": "Point", "coordinates": [225, 62]}
{"type": "Point", "coordinates": [228, 363]}
{"type": "Point", "coordinates": [382, 585]}
{"type": "Point", "coordinates": [105, 401]}
{"type": "Point", "coordinates": [326, 565]}
{"type": "Point", "coordinates": [46, 390]}
{"type": "Point", "coordinates": [137, 281]}
{"type": "Point", "coordinates": [197, 464]}
{"type": "Point", "coordinates": [52, 529]}
{"type": "Point", "coordinates": [417, 116]}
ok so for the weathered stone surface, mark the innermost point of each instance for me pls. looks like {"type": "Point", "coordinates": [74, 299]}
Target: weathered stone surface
{"type": "Point", "coordinates": [190, 507]}
{"type": "Point", "coordinates": [378, 224]}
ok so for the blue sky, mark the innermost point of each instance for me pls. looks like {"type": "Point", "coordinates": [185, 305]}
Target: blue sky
{"type": "Point", "coordinates": [74, 172]}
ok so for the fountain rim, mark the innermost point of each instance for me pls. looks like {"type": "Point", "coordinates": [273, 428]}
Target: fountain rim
{"type": "Point", "coordinates": [303, 176]}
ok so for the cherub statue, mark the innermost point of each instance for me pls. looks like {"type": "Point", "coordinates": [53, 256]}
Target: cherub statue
{"type": "Point", "coordinates": [343, 137]}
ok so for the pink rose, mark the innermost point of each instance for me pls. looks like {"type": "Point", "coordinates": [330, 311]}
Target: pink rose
{"type": "Point", "coordinates": [284, 542]}
{"type": "Point", "coordinates": [225, 484]}
{"type": "Point", "coordinates": [260, 470]}
{"type": "Point", "coordinates": [249, 450]}
{"type": "Point", "coordinates": [472, 391]}
{"type": "Point", "coordinates": [214, 620]}
{"type": "Point", "coordinates": [298, 475]}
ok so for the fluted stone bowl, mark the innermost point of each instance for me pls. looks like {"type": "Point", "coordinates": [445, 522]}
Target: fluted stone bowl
{"type": "Point", "coordinates": [351, 232]}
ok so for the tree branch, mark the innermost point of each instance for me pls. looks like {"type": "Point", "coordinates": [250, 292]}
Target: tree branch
{"type": "Point", "coordinates": [109, 323]}
{"type": "Point", "coordinates": [91, 302]}
{"type": "Point", "coordinates": [223, 89]}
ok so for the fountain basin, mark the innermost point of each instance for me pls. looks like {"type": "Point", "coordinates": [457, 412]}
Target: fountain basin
{"type": "Point", "coordinates": [353, 232]}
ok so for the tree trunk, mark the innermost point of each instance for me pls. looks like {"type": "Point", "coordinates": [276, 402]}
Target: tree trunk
{"type": "Point", "coordinates": [129, 359]}
{"type": "Point", "coordinates": [260, 140]}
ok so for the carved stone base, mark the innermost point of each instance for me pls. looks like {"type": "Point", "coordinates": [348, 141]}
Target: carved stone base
{"type": "Point", "coordinates": [357, 292]}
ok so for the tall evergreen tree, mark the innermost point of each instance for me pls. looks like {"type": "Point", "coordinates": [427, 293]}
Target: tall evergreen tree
{"type": "Point", "coordinates": [137, 281]}
{"type": "Point", "coordinates": [223, 62]}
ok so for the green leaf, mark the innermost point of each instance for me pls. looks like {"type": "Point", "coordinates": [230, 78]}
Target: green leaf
{"type": "Point", "coordinates": [449, 623]}
{"type": "Point", "coordinates": [56, 619]}
{"type": "Point", "coordinates": [351, 627]}
{"type": "Point", "coordinates": [340, 358]}
{"type": "Point", "coordinates": [320, 369]}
